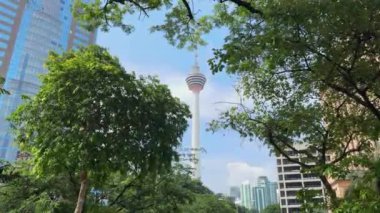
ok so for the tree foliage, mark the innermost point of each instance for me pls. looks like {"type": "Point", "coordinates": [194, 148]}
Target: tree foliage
{"type": "Point", "coordinates": [274, 208]}
{"type": "Point", "coordinates": [171, 191]}
{"type": "Point", "coordinates": [93, 118]}
{"type": "Point", "coordinates": [309, 72]}
{"type": "Point", "coordinates": [2, 90]}
{"type": "Point", "coordinates": [363, 194]}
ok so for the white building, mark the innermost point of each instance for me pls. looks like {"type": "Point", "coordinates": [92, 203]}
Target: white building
{"type": "Point", "coordinates": [291, 180]}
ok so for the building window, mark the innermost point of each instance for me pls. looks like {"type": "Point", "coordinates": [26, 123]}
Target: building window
{"type": "Point", "coordinates": [292, 169]}
{"type": "Point", "coordinates": [291, 193]}
{"type": "Point", "coordinates": [283, 202]}
{"type": "Point", "coordinates": [281, 185]}
{"type": "Point", "coordinates": [3, 45]}
{"type": "Point", "coordinates": [7, 11]}
{"type": "Point", "coordinates": [5, 28]}
{"type": "Point", "coordinates": [312, 184]}
{"type": "Point", "coordinates": [293, 177]}
{"type": "Point", "coordinates": [6, 19]}
{"type": "Point", "coordinates": [293, 185]}
{"type": "Point", "coordinates": [10, 4]}
{"type": "Point", "coordinates": [4, 36]}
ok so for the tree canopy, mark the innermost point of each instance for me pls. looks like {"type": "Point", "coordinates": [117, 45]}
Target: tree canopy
{"type": "Point", "coordinates": [274, 208]}
{"type": "Point", "coordinates": [309, 71]}
{"type": "Point", "coordinates": [170, 191]}
{"type": "Point", "coordinates": [2, 90]}
{"type": "Point", "coordinates": [93, 118]}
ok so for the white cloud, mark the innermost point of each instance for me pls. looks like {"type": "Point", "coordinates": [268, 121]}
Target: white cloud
{"type": "Point", "coordinates": [242, 171]}
{"type": "Point", "coordinates": [220, 173]}
{"type": "Point", "coordinates": [212, 98]}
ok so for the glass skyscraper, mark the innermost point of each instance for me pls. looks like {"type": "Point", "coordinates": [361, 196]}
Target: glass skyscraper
{"type": "Point", "coordinates": [264, 194]}
{"type": "Point", "coordinates": [260, 196]}
{"type": "Point", "coordinates": [28, 31]}
{"type": "Point", "coordinates": [246, 195]}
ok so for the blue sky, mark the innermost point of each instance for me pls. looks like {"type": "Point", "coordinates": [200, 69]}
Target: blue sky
{"type": "Point", "coordinates": [228, 160]}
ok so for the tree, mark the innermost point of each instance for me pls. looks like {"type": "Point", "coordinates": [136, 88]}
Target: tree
{"type": "Point", "coordinates": [93, 118]}
{"type": "Point", "coordinates": [362, 196]}
{"type": "Point", "coordinates": [22, 191]}
{"type": "Point", "coordinates": [164, 193]}
{"type": "Point", "coordinates": [172, 191]}
{"type": "Point", "coordinates": [274, 42]}
{"type": "Point", "coordinates": [209, 203]}
{"type": "Point", "coordinates": [2, 90]}
{"type": "Point", "coordinates": [274, 208]}
{"type": "Point", "coordinates": [309, 72]}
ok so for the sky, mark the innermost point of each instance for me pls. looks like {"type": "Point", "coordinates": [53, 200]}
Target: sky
{"type": "Point", "coordinates": [229, 159]}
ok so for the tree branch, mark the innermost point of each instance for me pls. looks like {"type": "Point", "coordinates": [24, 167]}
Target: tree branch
{"type": "Point", "coordinates": [246, 5]}
{"type": "Point", "coordinates": [189, 12]}
{"type": "Point", "coordinates": [272, 142]}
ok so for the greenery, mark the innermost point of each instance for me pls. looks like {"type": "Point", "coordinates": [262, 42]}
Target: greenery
{"type": "Point", "coordinates": [2, 90]}
{"type": "Point", "coordinates": [92, 118]}
{"type": "Point", "coordinates": [363, 194]}
{"type": "Point", "coordinates": [308, 69]}
{"type": "Point", "coordinates": [173, 191]}
{"type": "Point", "coordinates": [209, 203]}
{"type": "Point", "coordinates": [309, 73]}
{"type": "Point", "coordinates": [274, 208]}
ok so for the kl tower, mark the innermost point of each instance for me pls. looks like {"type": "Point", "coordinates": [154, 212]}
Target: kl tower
{"type": "Point", "coordinates": [195, 81]}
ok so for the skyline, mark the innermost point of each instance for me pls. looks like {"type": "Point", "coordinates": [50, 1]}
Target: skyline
{"type": "Point", "coordinates": [288, 120]}
{"type": "Point", "coordinates": [229, 159]}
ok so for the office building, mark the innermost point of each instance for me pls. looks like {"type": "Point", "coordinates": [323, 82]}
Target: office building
{"type": "Point", "coordinates": [260, 196]}
{"type": "Point", "coordinates": [263, 193]}
{"type": "Point", "coordinates": [28, 31]}
{"type": "Point", "coordinates": [291, 180]}
{"type": "Point", "coordinates": [246, 195]}
{"type": "Point", "coordinates": [235, 192]}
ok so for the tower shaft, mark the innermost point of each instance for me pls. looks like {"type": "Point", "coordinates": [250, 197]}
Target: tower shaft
{"type": "Point", "coordinates": [195, 144]}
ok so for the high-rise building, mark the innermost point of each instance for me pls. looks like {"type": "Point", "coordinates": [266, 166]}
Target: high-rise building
{"type": "Point", "coordinates": [195, 82]}
{"type": "Point", "coordinates": [235, 192]}
{"type": "Point", "coordinates": [260, 196]}
{"type": "Point", "coordinates": [273, 192]}
{"type": "Point", "coordinates": [291, 180]}
{"type": "Point", "coordinates": [28, 31]}
{"type": "Point", "coordinates": [264, 193]}
{"type": "Point", "coordinates": [246, 195]}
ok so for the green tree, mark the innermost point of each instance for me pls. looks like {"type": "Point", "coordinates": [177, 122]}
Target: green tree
{"type": "Point", "coordinates": [94, 118]}
{"type": "Point", "coordinates": [171, 191]}
{"type": "Point", "coordinates": [274, 208]}
{"type": "Point", "coordinates": [309, 71]}
{"type": "Point", "coordinates": [209, 203]}
{"type": "Point", "coordinates": [2, 90]}
{"type": "Point", "coordinates": [163, 193]}
{"type": "Point", "coordinates": [363, 194]}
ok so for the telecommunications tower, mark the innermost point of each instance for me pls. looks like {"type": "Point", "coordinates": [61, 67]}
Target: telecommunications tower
{"type": "Point", "coordinates": [195, 81]}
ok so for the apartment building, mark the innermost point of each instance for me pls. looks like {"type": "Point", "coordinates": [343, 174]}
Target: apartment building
{"type": "Point", "coordinates": [291, 180]}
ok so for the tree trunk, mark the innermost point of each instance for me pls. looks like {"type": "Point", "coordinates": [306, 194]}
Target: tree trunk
{"type": "Point", "coordinates": [332, 202]}
{"type": "Point", "coordinates": [82, 192]}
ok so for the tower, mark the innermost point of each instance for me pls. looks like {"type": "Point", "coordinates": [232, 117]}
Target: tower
{"type": "Point", "coordinates": [28, 31]}
{"type": "Point", "coordinates": [195, 82]}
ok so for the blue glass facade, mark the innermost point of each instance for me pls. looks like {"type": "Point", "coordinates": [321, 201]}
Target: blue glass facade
{"type": "Point", "coordinates": [31, 30]}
